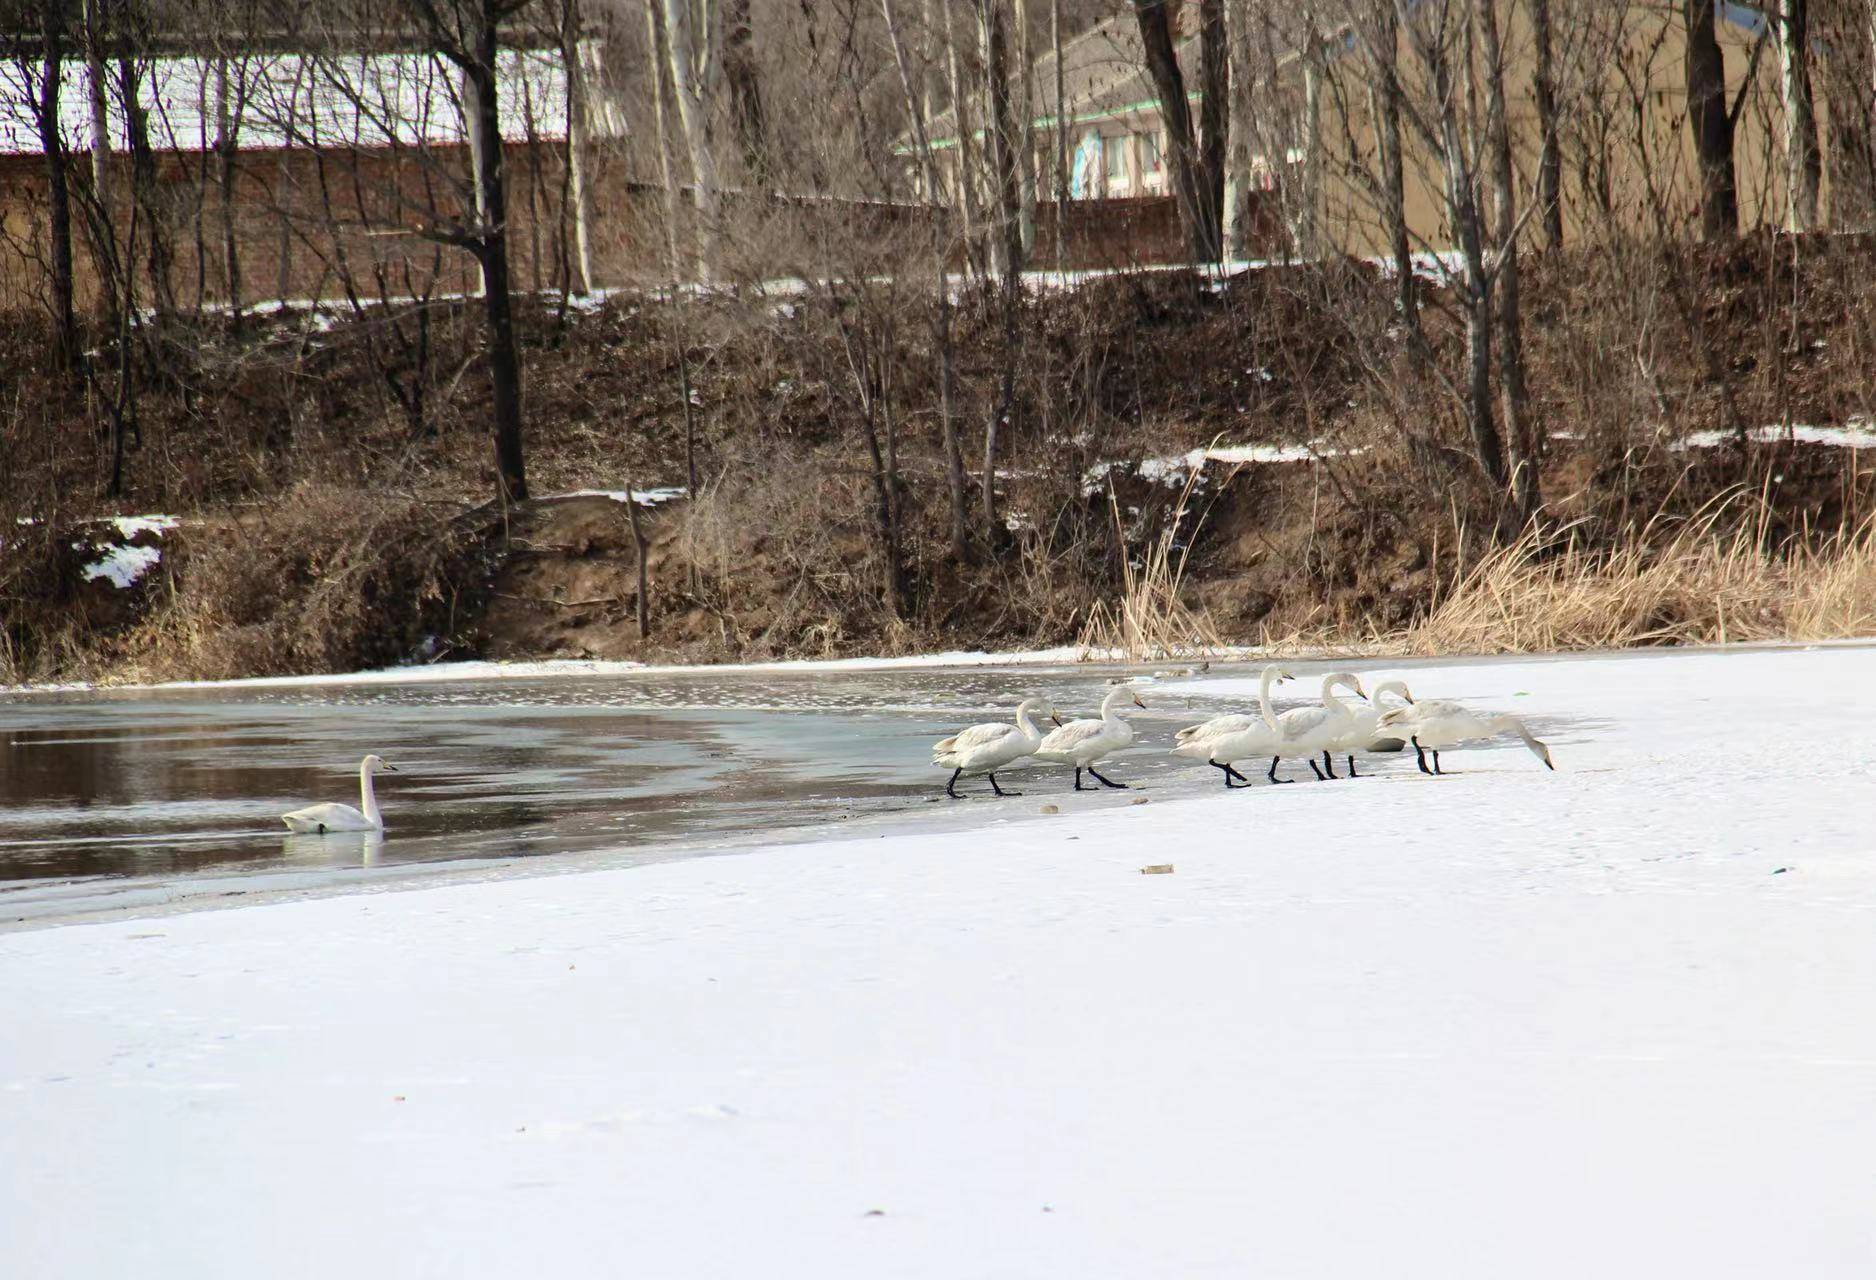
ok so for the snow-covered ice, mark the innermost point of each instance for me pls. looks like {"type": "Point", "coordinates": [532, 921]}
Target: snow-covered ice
{"type": "Point", "coordinates": [1608, 1021]}
{"type": "Point", "coordinates": [1857, 433]}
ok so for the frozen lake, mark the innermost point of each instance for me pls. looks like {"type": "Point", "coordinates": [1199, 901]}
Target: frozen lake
{"type": "Point", "coordinates": [155, 798]}
{"type": "Point", "coordinates": [1508, 1022]}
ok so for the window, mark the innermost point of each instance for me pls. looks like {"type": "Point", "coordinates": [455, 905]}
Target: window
{"type": "Point", "coordinates": [1152, 163]}
{"type": "Point", "coordinates": [1114, 160]}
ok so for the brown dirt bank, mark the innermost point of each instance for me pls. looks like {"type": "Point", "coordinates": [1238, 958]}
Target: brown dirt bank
{"type": "Point", "coordinates": [330, 476]}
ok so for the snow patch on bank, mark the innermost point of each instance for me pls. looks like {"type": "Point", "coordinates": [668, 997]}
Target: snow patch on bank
{"type": "Point", "coordinates": [123, 564]}
{"type": "Point", "coordinates": [1857, 433]}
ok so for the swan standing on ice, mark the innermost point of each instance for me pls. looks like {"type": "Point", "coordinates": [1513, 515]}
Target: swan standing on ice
{"type": "Point", "coordinates": [1082, 742]}
{"type": "Point", "coordinates": [318, 819]}
{"type": "Point", "coordinates": [985, 748]}
{"type": "Point", "coordinates": [1362, 733]}
{"type": "Point", "coordinates": [1436, 724]}
{"type": "Point", "coordinates": [1224, 740]}
{"type": "Point", "coordinates": [1306, 730]}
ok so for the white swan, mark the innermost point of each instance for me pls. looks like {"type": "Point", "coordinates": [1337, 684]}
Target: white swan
{"type": "Point", "coordinates": [1437, 723]}
{"type": "Point", "coordinates": [318, 819]}
{"type": "Point", "coordinates": [985, 748]}
{"type": "Point", "coordinates": [1224, 740]}
{"type": "Point", "coordinates": [1082, 742]}
{"type": "Point", "coordinates": [1303, 731]}
{"type": "Point", "coordinates": [1362, 733]}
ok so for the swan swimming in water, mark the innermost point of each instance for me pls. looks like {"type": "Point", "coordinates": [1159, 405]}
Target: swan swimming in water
{"type": "Point", "coordinates": [318, 819]}
{"type": "Point", "coordinates": [1224, 740]}
{"type": "Point", "coordinates": [1081, 742]}
{"type": "Point", "coordinates": [1437, 723]}
{"type": "Point", "coordinates": [985, 748]}
{"type": "Point", "coordinates": [1303, 731]}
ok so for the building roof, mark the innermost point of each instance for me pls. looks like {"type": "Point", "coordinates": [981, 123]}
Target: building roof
{"type": "Point", "coordinates": [294, 100]}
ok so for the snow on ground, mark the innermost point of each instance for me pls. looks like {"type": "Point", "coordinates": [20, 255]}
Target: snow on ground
{"type": "Point", "coordinates": [643, 497]}
{"type": "Point", "coordinates": [1857, 433]}
{"type": "Point", "coordinates": [550, 668]}
{"type": "Point", "coordinates": [1607, 1021]}
{"type": "Point", "coordinates": [122, 564]}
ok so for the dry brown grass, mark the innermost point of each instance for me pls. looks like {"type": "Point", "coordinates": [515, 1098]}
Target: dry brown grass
{"type": "Point", "coordinates": [1699, 584]}
{"type": "Point", "coordinates": [327, 580]}
{"type": "Point", "coordinates": [1149, 621]}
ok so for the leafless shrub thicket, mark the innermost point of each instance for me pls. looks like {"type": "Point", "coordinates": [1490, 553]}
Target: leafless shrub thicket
{"type": "Point", "coordinates": [797, 259]}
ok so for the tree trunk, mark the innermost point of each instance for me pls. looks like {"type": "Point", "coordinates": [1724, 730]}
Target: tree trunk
{"type": "Point", "coordinates": [1307, 230]}
{"type": "Point", "coordinates": [579, 143]}
{"type": "Point", "coordinates": [691, 72]}
{"type": "Point", "coordinates": [1025, 139]}
{"type": "Point", "coordinates": [1803, 163]}
{"type": "Point", "coordinates": [745, 91]}
{"type": "Point", "coordinates": [1061, 137]}
{"type": "Point", "coordinates": [1393, 173]}
{"type": "Point", "coordinates": [491, 251]}
{"type": "Point", "coordinates": [1550, 158]}
{"type": "Point", "coordinates": [227, 152]}
{"type": "Point", "coordinates": [941, 326]}
{"type": "Point", "coordinates": [1526, 490]}
{"type": "Point", "coordinates": [58, 188]}
{"type": "Point", "coordinates": [1234, 213]}
{"type": "Point", "coordinates": [961, 121]}
{"type": "Point", "coordinates": [1712, 123]}
{"type": "Point", "coordinates": [1009, 237]}
{"type": "Point", "coordinates": [1189, 182]}
{"type": "Point", "coordinates": [1214, 121]}
{"type": "Point", "coordinates": [1462, 208]}
{"type": "Point", "coordinates": [102, 211]}
{"type": "Point", "coordinates": [143, 183]}
{"type": "Point", "coordinates": [660, 52]}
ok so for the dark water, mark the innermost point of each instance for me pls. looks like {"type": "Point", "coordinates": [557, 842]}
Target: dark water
{"type": "Point", "coordinates": [102, 793]}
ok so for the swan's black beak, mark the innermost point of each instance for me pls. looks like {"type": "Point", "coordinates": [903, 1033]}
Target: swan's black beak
{"type": "Point", "coordinates": [391, 768]}
{"type": "Point", "coordinates": [1056, 718]}
{"type": "Point", "coordinates": [1138, 703]}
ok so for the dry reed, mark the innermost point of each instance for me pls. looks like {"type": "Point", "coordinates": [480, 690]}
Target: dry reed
{"type": "Point", "coordinates": [1697, 585]}
{"type": "Point", "coordinates": [1149, 621]}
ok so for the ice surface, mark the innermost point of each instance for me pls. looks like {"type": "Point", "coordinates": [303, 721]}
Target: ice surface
{"type": "Point", "coordinates": [1607, 1021]}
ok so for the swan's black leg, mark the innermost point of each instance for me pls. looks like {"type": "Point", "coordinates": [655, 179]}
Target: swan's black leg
{"type": "Point", "coordinates": [1420, 755]}
{"type": "Point", "coordinates": [1224, 769]}
{"type": "Point", "coordinates": [1316, 769]}
{"type": "Point", "coordinates": [1351, 766]}
{"type": "Point", "coordinates": [1436, 762]}
{"type": "Point", "coordinates": [1078, 785]}
{"type": "Point", "coordinates": [1231, 773]}
{"type": "Point", "coordinates": [950, 785]}
{"type": "Point", "coordinates": [999, 790]}
{"type": "Point", "coordinates": [1272, 775]}
{"type": "Point", "coordinates": [1118, 786]}
{"type": "Point", "coordinates": [1328, 763]}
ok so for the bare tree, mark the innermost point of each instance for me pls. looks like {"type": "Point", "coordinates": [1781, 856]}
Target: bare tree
{"type": "Point", "coordinates": [1544, 96]}
{"type": "Point", "coordinates": [467, 34]}
{"type": "Point", "coordinates": [51, 78]}
{"type": "Point", "coordinates": [1803, 163]}
{"type": "Point", "coordinates": [745, 91]}
{"type": "Point", "coordinates": [1711, 121]}
{"type": "Point", "coordinates": [1193, 184]}
{"type": "Point", "coordinates": [940, 241]}
{"type": "Point", "coordinates": [1008, 240]}
{"type": "Point", "coordinates": [696, 78]}
{"type": "Point", "coordinates": [1526, 492]}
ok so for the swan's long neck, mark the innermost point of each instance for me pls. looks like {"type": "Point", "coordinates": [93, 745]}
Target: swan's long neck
{"type": "Point", "coordinates": [368, 798]}
{"type": "Point", "coordinates": [1023, 724]}
{"type": "Point", "coordinates": [1111, 704]}
{"type": "Point", "coordinates": [1500, 724]}
{"type": "Point", "coordinates": [1263, 697]}
{"type": "Point", "coordinates": [1333, 700]}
